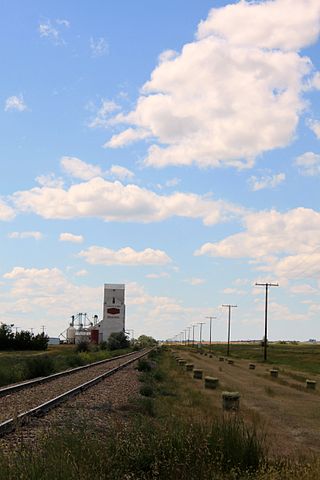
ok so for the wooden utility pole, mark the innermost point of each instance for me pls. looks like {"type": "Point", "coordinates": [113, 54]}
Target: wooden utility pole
{"type": "Point", "coordinates": [210, 318]}
{"type": "Point", "coordinates": [201, 323]}
{"type": "Point", "coordinates": [267, 285]}
{"type": "Point", "coordinates": [229, 322]}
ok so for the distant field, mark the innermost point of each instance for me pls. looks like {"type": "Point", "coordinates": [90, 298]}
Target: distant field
{"type": "Point", "coordinates": [303, 356]}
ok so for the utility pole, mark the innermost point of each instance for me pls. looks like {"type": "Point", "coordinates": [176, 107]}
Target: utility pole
{"type": "Point", "coordinates": [201, 323]}
{"type": "Point", "coordinates": [229, 321]}
{"type": "Point", "coordinates": [267, 285]}
{"type": "Point", "coordinates": [42, 328]}
{"type": "Point", "coordinates": [193, 326]}
{"type": "Point", "coordinates": [188, 328]}
{"type": "Point", "coordinates": [210, 318]}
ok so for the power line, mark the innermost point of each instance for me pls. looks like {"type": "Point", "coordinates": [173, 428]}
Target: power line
{"type": "Point", "coordinates": [266, 285]}
{"type": "Point", "coordinates": [229, 321]}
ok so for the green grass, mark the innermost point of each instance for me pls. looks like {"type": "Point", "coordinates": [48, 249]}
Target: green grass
{"type": "Point", "coordinates": [177, 435]}
{"type": "Point", "coordinates": [303, 356]}
{"type": "Point", "coordinates": [19, 366]}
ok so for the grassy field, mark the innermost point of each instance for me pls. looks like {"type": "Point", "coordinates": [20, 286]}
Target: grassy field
{"type": "Point", "coordinates": [171, 431]}
{"type": "Point", "coordinates": [302, 356]}
{"type": "Point", "coordinates": [18, 366]}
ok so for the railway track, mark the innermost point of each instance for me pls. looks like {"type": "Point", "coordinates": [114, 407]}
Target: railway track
{"type": "Point", "coordinates": [22, 402]}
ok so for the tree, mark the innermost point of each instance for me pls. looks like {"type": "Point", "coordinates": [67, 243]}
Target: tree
{"type": "Point", "coordinates": [146, 341]}
{"type": "Point", "coordinates": [118, 340]}
{"type": "Point", "coordinates": [6, 337]}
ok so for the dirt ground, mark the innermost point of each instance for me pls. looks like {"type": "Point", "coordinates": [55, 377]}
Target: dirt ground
{"type": "Point", "coordinates": [287, 413]}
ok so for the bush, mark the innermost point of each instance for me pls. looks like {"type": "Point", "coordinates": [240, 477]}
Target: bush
{"type": "Point", "coordinates": [144, 365]}
{"type": "Point", "coordinates": [40, 366]}
{"type": "Point", "coordinates": [118, 340]}
{"type": "Point", "coordinates": [147, 391]}
{"type": "Point", "coordinates": [82, 346]}
{"type": "Point", "coordinates": [103, 346]}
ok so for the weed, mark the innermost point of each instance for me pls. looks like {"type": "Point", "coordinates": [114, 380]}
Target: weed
{"type": "Point", "coordinates": [144, 365]}
{"type": "Point", "coordinates": [147, 391]}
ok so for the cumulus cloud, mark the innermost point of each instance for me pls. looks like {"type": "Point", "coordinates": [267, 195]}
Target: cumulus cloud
{"type": "Point", "coordinates": [6, 212]}
{"type": "Point", "coordinates": [98, 47]}
{"type": "Point", "coordinates": [125, 256]}
{"type": "Point", "coordinates": [308, 164]}
{"type": "Point", "coordinates": [195, 281]}
{"type": "Point", "coordinates": [158, 275]}
{"type": "Point", "coordinates": [314, 125]}
{"type": "Point", "coordinates": [113, 201]}
{"type": "Point", "coordinates": [102, 118]}
{"type": "Point", "coordinates": [79, 169]}
{"type": "Point", "coordinates": [269, 181]}
{"type": "Point", "coordinates": [276, 24]}
{"type": "Point", "coordinates": [16, 102]}
{"type": "Point", "coordinates": [230, 95]}
{"type": "Point", "coordinates": [121, 172]}
{"type": "Point", "coordinates": [70, 237]}
{"type": "Point", "coordinates": [304, 289]}
{"type": "Point", "coordinates": [35, 235]}
{"type": "Point", "coordinates": [286, 244]}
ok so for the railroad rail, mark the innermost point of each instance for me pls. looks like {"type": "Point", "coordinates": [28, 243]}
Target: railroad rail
{"type": "Point", "coordinates": [11, 424]}
{"type": "Point", "coordinates": [7, 390]}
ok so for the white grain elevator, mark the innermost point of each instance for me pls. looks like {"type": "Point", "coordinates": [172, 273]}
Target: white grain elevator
{"type": "Point", "coordinates": [114, 310]}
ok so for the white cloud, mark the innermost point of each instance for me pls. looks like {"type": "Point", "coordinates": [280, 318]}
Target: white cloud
{"type": "Point", "coordinates": [270, 181]}
{"type": "Point", "coordinates": [230, 95]}
{"type": "Point", "coordinates": [50, 180]}
{"type": "Point", "coordinates": [51, 30]}
{"type": "Point", "coordinates": [121, 172]}
{"type": "Point", "coordinates": [124, 256]}
{"type": "Point", "coordinates": [304, 289]}
{"type": "Point", "coordinates": [6, 212]}
{"type": "Point", "coordinates": [16, 102]}
{"type": "Point", "coordinates": [308, 164]}
{"type": "Point", "coordinates": [195, 281]}
{"type": "Point", "coordinates": [99, 47]}
{"type": "Point", "coordinates": [81, 273]}
{"type": "Point", "coordinates": [70, 237]}
{"type": "Point", "coordinates": [103, 115]}
{"type": "Point", "coordinates": [113, 201]}
{"type": "Point", "coordinates": [79, 169]}
{"type": "Point", "coordinates": [286, 244]}
{"type": "Point", "coordinates": [126, 137]}
{"type": "Point", "coordinates": [158, 275]}
{"type": "Point", "coordinates": [314, 125]}
{"type": "Point", "coordinates": [35, 235]}
{"type": "Point", "coordinates": [233, 291]}
{"type": "Point", "coordinates": [276, 24]}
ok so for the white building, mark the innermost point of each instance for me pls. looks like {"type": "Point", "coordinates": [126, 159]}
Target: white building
{"type": "Point", "coordinates": [114, 310]}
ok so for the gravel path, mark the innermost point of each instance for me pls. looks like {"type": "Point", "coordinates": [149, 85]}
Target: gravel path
{"type": "Point", "coordinates": [13, 404]}
{"type": "Point", "coordinates": [96, 406]}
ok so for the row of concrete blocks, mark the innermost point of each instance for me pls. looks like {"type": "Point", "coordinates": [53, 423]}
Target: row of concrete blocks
{"type": "Point", "coordinates": [230, 400]}
{"type": "Point", "coordinates": [310, 384]}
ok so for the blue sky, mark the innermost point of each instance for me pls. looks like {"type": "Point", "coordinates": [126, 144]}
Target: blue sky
{"type": "Point", "coordinates": [170, 146]}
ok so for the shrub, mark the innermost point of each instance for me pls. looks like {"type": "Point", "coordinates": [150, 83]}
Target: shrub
{"type": "Point", "coordinates": [144, 365]}
{"type": "Point", "coordinates": [117, 340]}
{"type": "Point", "coordinates": [82, 346]}
{"type": "Point", "coordinates": [103, 346]}
{"type": "Point", "coordinates": [147, 391]}
{"type": "Point", "coordinates": [40, 366]}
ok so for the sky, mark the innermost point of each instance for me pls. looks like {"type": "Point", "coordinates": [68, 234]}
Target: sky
{"type": "Point", "coordinates": [169, 145]}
